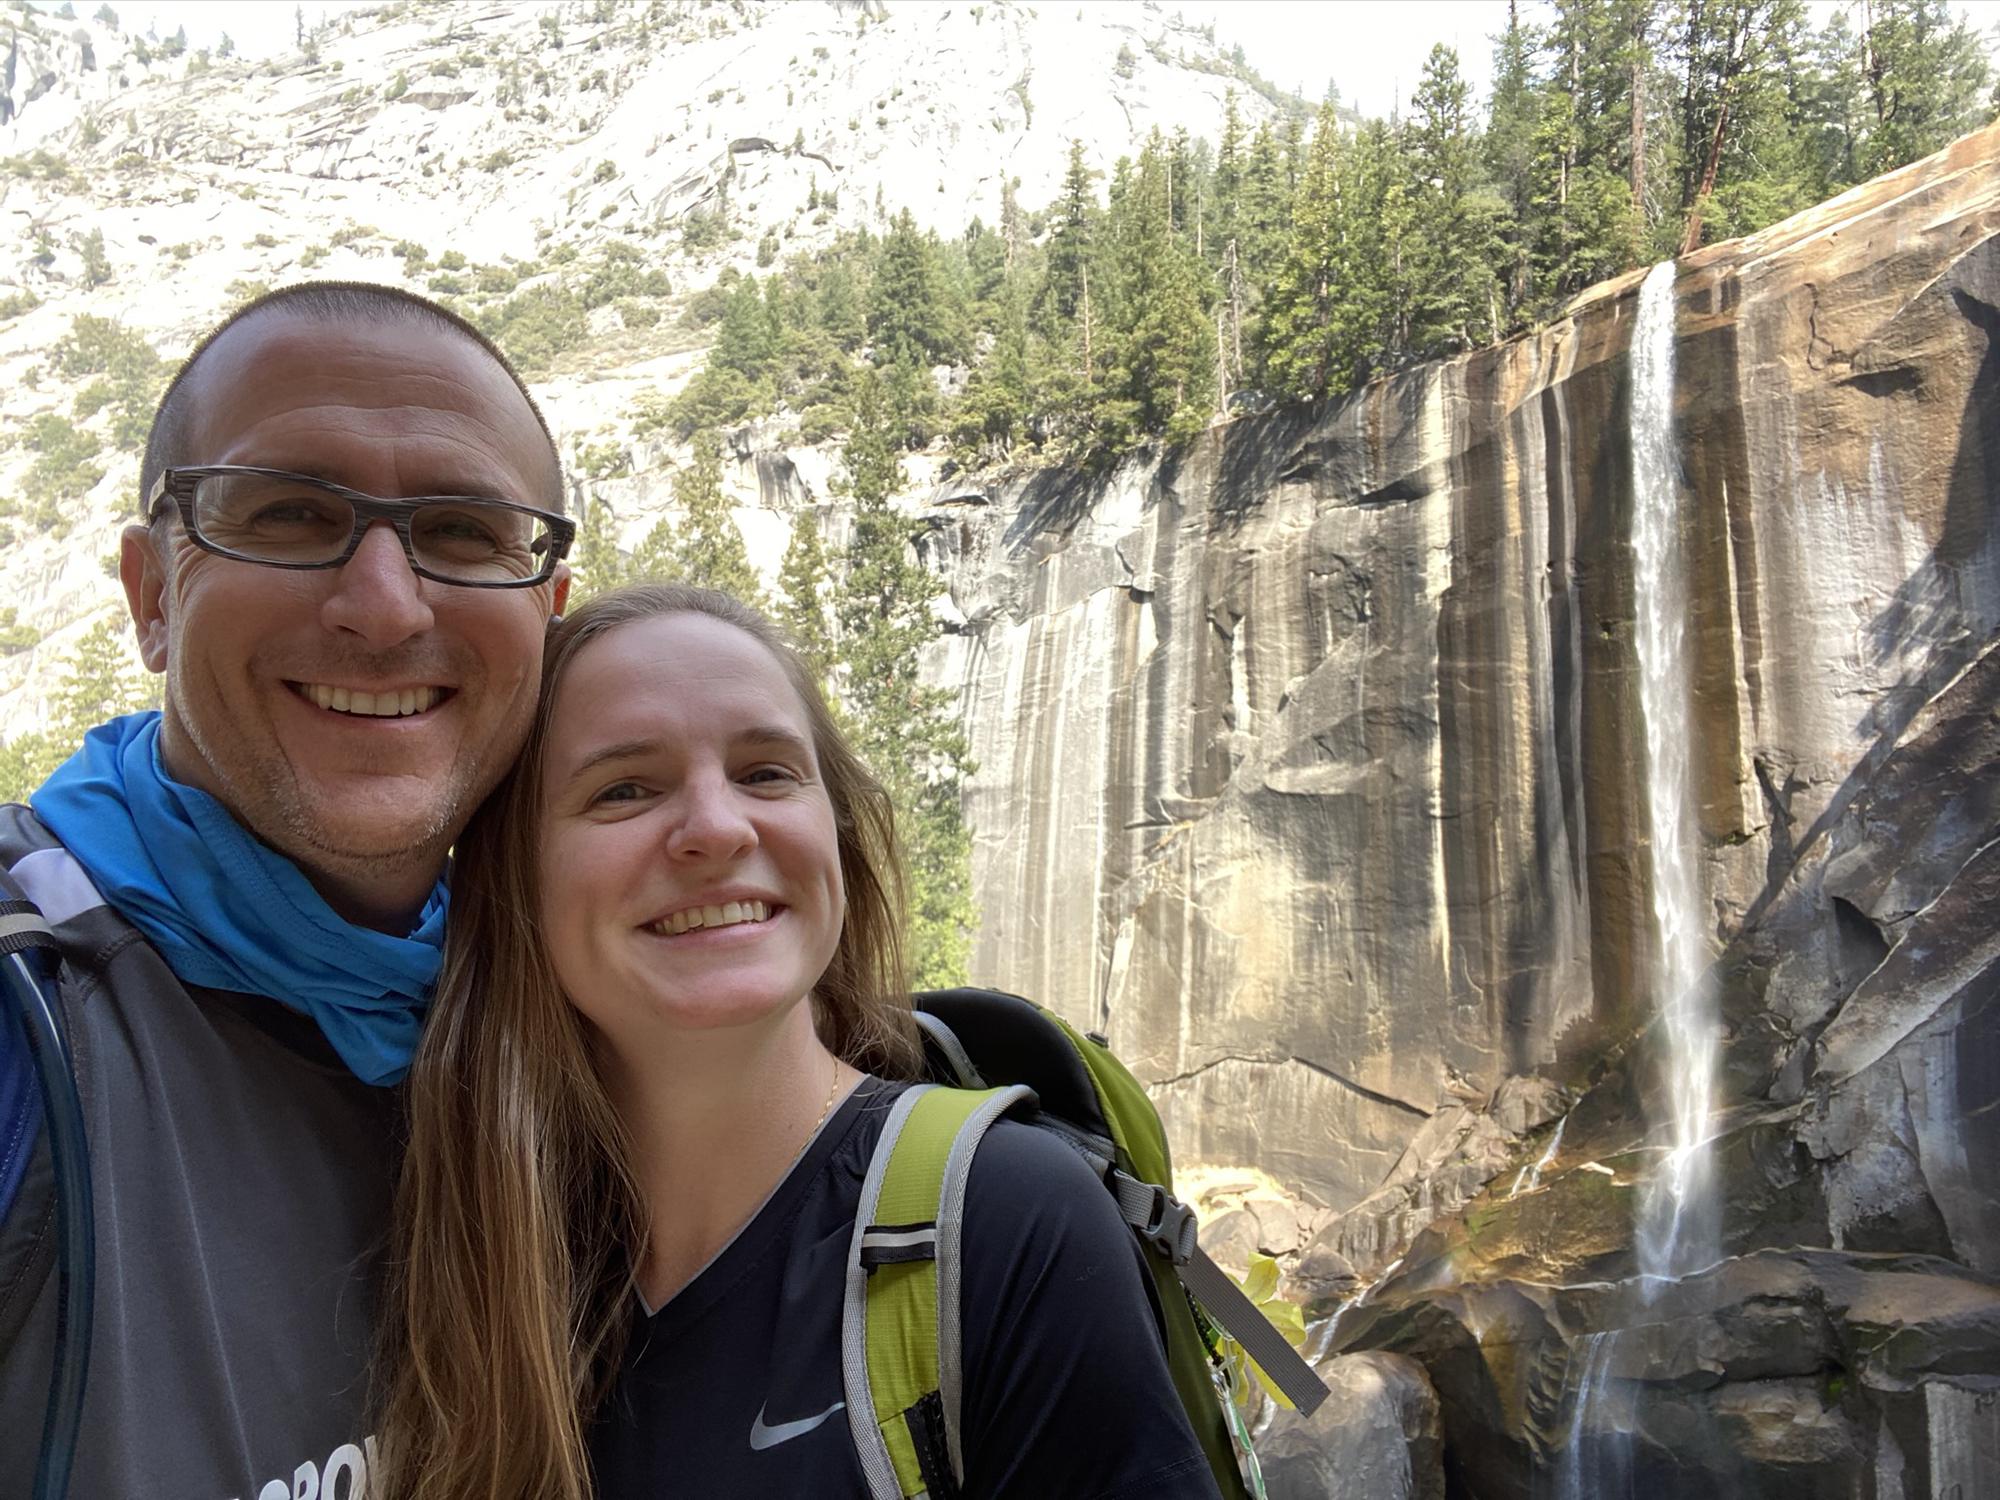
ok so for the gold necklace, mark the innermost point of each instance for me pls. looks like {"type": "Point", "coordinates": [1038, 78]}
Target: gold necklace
{"type": "Point", "coordinates": [826, 1108]}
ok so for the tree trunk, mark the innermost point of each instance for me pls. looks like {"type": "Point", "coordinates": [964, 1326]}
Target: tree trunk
{"type": "Point", "coordinates": [1088, 378]}
{"type": "Point", "coordinates": [1221, 365]}
{"type": "Point", "coordinates": [1235, 312]}
{"type": "Point", "coordinates": [1638, 93]}
{"type": "Point", "coordinates": [1691, 241]}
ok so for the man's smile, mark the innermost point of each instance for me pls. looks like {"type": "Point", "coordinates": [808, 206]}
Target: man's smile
{"type": "Point", "coordinates": [382, 703]}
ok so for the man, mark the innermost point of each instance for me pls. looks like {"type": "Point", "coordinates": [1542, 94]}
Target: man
{"type": "Point", "coordinates": [247, 886]}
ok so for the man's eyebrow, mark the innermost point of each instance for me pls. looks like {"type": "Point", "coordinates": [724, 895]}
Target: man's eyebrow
{"type": "Point", "coordinates": [484, 489]}
{"type": "Point", "coordinates": [757, 737]}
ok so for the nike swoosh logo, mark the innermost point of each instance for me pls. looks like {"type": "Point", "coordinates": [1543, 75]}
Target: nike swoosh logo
{"type": "Point", "coordinates": [762, 1437]}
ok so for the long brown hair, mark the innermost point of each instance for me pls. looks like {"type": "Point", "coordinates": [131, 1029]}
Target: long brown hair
{"type": "Point", "coordinates": [517, 1220]}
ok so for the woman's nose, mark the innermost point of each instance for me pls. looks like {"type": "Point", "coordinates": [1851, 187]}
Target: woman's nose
{"type": "Point", "coordinates": [712, 822]}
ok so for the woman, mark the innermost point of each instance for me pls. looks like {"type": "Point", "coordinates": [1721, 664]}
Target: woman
{"type": "Point", "coordinates": [640, 1121]}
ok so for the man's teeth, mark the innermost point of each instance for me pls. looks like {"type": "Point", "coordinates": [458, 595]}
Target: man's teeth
{"type": "Point", "coordinates": [393, 704]}
{"type": "Point", "coordinates": [726, 915]}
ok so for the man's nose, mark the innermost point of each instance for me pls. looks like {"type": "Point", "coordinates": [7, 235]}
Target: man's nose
{"type": "Point", "coordinates": [375, 595]}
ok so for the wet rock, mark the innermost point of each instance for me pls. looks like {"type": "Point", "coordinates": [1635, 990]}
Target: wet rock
{"type": "Point", "coordinates": [1780, 1373]}
{"type": "Point", "coordinates": [1376, 1437]}
{"type": "Point", "coordinates": [1231, 1239]}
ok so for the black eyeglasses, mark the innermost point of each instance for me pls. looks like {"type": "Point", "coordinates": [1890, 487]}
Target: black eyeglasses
{"type": "Point", "coordinates": [285, 520]}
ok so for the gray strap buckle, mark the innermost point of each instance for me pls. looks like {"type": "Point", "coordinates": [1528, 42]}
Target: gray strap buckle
{"type": "Point", "coordinates": [1161, 1219]}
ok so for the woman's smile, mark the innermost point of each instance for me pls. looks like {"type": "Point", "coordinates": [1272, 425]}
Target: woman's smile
{"type": "Point", "coordinates": [713, 916]}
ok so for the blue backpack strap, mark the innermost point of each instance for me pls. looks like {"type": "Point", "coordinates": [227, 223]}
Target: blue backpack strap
{"type": "Point", "coordinates": [28, 957]}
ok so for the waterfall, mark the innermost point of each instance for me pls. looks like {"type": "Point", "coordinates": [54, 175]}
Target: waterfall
{"type": "Point", "coordinates": [1673, 1230]}
{"type": "Point", "coordinates": [1593, 1462]}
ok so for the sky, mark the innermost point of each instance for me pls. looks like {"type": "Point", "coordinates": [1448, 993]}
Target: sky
{"type": "Point", "coordinates": [1374, 50]}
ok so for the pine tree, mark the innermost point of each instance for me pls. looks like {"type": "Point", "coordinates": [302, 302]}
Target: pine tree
{"type": "Point", "coordinates": [596, 564]}
{"type": "Point", "coordinates": [906, 732]}
{"type": "Point", "coordinates": [912, 318]}
{"type": "Point", "coordinates": [99, 682]}
{"type": "Point", "coordinates": [1072, 242]}
{"type": "Point", "coordinates": [1455, 297]}
{"type": "Point", "coordinates": [1067, 314]}
{"type": "Point", "coordinates": [1927, 77]}
{"type": "Point", "coordinates": [1509, 151]}
{"type": "Point", "coordinates": [1166, 354]}
{"type": "Point", "coordinates": [1302, 333]}
{"type": "Point", "coordinates": [802, 589]}
{"type": "Point", "coordinates": [706, 547]}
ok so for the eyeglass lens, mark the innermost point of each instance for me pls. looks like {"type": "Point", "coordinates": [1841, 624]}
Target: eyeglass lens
{"type": "Point", "coordinates": [281, 520]}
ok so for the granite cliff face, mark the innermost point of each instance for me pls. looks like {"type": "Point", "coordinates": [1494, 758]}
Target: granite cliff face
{"type": "Point", "coordinates": [1312, 772]}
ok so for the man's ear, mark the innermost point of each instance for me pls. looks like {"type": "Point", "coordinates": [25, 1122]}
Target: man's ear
{"type": "Point", "coordinates": [561, 595]}
{"type": "Point", "coordinates": [144, 573]}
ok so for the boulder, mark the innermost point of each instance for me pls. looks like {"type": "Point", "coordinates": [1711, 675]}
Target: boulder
{"type": "Point", "coordinates": [1376, 1437]}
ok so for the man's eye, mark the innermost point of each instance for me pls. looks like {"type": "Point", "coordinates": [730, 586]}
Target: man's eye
{"type": "Point", "coordinates": [290, 513]}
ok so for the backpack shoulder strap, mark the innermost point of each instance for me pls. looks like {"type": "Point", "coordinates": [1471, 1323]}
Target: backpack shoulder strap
{"type": "Point", "coordinates": [900, 1332]}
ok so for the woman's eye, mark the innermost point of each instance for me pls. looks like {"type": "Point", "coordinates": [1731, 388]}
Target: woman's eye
{"type": "Point", "coordinates": [619, 791]}
{"type": "Point", "coordinates": [767, 775]}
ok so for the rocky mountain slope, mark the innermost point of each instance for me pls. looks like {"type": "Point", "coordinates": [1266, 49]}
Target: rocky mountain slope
{"type": "Point", "coordinates": [514, 144]}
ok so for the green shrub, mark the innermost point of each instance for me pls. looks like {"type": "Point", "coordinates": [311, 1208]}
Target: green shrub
{"type": "Point", "coordinates": [451, 260]}
{"type": "Point", "coordinates": [536, 326]}
{"type": "Point", "coordinates": [133, 375]}
{"type": "Point", "coordinates": [14, 636]}
{"type": "Point", "coordinates": [703, 230]}
{"type": "Point", "coordinates": [606, 171]}
{"type": "Point", "coordinates": [637, 314]}
{"type": "Point", "coordinates": [64, 466]}
{"type": "Point", "coordinates": [396, 87]}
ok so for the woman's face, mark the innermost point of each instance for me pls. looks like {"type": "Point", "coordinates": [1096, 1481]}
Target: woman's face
{"type": "Point", "coordinates": [690, 875]}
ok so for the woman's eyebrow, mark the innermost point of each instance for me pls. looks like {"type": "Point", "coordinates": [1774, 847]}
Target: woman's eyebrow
{"type": "Point", "coordinates": [776, 737]}
{"type": "Point", "coordinates": [757, 737]}
{"type": "Point", "coordinates": [621, 750]}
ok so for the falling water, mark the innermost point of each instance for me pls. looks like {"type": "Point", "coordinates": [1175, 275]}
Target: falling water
{"type": "Point", "coordinates": [1529, 1178]}
{"type": "Point", "coordinates": [1673, 1222]}
{"type": "Point", "coordinates": [1593, 1462]}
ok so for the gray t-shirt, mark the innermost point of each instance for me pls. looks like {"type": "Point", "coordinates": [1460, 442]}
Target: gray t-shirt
{"type": "Point", "coordinates": [241, 1178]}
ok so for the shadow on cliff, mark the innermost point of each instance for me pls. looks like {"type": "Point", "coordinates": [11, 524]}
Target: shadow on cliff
{"type": "Point", "coordinates": [1951, 602]}
{"type": "Point", "coordinates": [1237, 464]}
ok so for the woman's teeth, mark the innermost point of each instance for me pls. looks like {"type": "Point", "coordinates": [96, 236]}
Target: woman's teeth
{"type": "Point", "coordinates": [393, 704]}
{"type": "Point", "coordinates": [726, 915]}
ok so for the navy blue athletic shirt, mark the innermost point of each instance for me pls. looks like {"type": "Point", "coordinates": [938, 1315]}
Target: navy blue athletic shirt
{"type": "Point", "coordinates": [734, 1388]}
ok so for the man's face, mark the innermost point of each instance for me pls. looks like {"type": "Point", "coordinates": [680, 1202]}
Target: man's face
{"type": "Point", "coordinates": [393, 409]}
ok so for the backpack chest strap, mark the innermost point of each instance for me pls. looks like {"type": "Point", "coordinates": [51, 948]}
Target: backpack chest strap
{"type": "Point", "coordinates": [901, 1342]}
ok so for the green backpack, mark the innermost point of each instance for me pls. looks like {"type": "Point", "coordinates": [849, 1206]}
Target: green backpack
{"type": "Point", "coordinates": [995, 1054]}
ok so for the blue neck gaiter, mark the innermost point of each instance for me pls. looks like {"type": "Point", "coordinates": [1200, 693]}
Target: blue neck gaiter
{"type": "Point", "coordinates": [230, 914]}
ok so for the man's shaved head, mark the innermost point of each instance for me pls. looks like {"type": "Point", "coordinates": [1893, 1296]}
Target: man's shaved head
{"type": "Point", "coordinates": [327, 302]}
